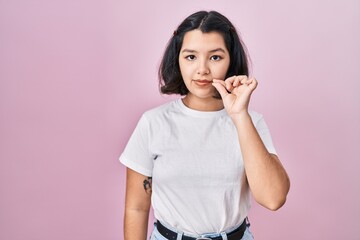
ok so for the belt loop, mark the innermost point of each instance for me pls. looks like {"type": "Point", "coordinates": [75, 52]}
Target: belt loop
{"type": "Point", "coordinates": [247, 222]}
{"type": "Point", "coordinates": [179, 235]}
{"type": "Point", "coordinates": [224, 236]}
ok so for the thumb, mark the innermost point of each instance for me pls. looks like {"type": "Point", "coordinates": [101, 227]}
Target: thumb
{"type": "Point", "coordinates": [220, 87]}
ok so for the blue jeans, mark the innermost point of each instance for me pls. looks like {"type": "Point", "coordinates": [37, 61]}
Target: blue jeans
{"type": "Point", "coordinates": [155, 235]}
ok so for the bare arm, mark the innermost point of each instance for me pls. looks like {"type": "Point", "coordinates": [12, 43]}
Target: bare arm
{"type": "Point", "coordinates": [137, 206]}
{"type": "Point", "coordinates": [267, 178]}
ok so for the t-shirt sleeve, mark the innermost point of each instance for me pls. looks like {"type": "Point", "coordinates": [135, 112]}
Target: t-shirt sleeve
{"type": "Point", "coordinates": [265, 136]}
{"type": "Point", "coordinates": [136, 154]}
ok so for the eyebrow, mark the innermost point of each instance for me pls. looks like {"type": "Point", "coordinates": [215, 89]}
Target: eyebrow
{"type": "Point", "coordinates": [211, 51]}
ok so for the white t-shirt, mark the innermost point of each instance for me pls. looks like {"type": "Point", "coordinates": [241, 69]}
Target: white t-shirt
{"type": "Point", "coordinates": [194, 157]}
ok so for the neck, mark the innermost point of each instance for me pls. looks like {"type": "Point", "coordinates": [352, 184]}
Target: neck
{"type": "Point", "coordinates": [203, 104]}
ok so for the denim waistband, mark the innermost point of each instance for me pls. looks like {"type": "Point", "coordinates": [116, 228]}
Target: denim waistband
{"type": "Point", "coordinates": [234, 233]}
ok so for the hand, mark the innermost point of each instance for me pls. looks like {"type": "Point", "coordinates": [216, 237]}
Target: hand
{"type": "Point", "coordinates": [235, 92]}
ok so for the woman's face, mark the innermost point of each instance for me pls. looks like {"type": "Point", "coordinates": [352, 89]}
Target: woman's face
{"type": "Point", "coordinates": [203, 57]}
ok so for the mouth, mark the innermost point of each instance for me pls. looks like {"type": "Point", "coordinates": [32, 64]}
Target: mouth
{"type": "Point", "coordinates": [202, 82]}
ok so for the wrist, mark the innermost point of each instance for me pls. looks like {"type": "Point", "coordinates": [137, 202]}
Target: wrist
{"type": "Point", "coordinates": [240, 117]}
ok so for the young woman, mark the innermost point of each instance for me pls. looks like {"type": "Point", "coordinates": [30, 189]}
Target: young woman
{"type": "Point", "coordinates": [196, 159]}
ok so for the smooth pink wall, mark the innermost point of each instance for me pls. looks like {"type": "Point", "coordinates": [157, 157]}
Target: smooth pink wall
{"type": "Point", "coordinates": [76, 75]}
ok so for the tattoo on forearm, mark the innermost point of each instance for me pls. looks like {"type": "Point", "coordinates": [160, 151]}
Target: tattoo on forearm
{"type": "Point", "coordinates": [147, 185]}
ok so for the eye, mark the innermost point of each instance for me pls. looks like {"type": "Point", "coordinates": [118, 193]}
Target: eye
{"type": "Point", "coordinates": [216, 58]}
{"type": "Point", "coordinates": [190, 57]}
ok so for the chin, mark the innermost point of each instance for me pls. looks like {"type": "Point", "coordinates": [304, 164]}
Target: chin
{"type": "Point", "coordinates": [203, 95]}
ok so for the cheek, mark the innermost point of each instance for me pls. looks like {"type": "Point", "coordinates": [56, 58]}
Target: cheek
{"type": "Point", "coordinates": [221, 71]}
{"type": "Point", "coordinates": [185, 70]}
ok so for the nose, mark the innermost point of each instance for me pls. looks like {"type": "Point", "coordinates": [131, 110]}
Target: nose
{"type": "Point", "coordinates": [203, 68]}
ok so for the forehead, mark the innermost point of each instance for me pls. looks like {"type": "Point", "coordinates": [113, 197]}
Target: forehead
{"type": "Point", "coordinates": [199, 41]}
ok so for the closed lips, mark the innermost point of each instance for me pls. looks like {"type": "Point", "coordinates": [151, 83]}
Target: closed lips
{"type": "Point", "coordinates": [203, 81]}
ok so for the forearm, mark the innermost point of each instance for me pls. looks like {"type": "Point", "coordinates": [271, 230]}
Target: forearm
{"type": "Point", "coordinates": [136, 224]}
{"type": "Point", "coordinates": [267, 178]}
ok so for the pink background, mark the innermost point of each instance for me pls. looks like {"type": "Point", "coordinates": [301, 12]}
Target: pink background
{"type": "Point", "coordinates": [76, 75]}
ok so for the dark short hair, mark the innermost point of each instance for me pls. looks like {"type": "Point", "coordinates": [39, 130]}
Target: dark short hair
{"type": "Point", "coordinates": [170, 79]}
